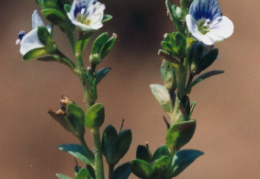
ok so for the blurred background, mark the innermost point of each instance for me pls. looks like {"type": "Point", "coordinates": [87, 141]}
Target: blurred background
{"type": "Point", "coordinates": [227, 111]}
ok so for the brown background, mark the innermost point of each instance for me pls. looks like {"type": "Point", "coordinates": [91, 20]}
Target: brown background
{"type": "Point", "coordinates": [227, 112]}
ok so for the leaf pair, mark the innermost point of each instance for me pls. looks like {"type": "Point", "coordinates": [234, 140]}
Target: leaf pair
{"type": "Point", "coordinates": [115, 146]}
{"type": "Point", "coordinates": [101, 47]}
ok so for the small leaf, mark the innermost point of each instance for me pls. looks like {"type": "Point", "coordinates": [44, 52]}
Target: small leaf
{"type": "Point", "coordinates": [162, 96]}
{"type": "Point", "coordinates": [82, 42]}
{"type": "Point", "coordinates": [60, 118]}
{"type": "Point", "coordinates": [123, 143]}
{"type": "Point", "coordinates": [47, 3]}
{"type": "Point", "coordinates": [143, 153]}
{"type": "Point", "coordinates": [77, 151]}
{"type": "Point", "coordinates": [109, 141]}
{"type": "Point", "coordinates": [207, 59]}
{"type": "Point", "coordinates": [107, 47]}
{"type": "Point", "coordinates": [183, 159]}
{"type": "Point", "coordinates": [141, 168]}
{"type": "Point", "coordinates": [168, 76]}
{"type": "Point", "coordinates": [99, 43]}
{"type": "Point", "coordinates": [162, 166]}
{"type": "Point", "coordinates": [160, 152]}
{"type": "Point", "coordinates": [35, 53]}
{"type": "Point", "coordinates": [206, 75]}
{"type": "Point", "coordinates": [95, 116]}
{"type": "Point", "coordinates": [83, 174]}
{"type": "Point", "coordinates": [179, 135]}
{"type": "Point", "coordinates": [100, 74]}
{"type": "Point", "coordinates": [76, 117]}
{"type": "Point", "coordinates": [61, 176]}
{"type": "Point", "coordinates": [193, 104]}
{"type": "Point", "coordinates": [67, 8]}
{"type": "Point", "coordinates": [106, 18]}
{"type": "Point", "coordinates": [122, 172]}
{"type": "Point", "coordinates": [55, 16]}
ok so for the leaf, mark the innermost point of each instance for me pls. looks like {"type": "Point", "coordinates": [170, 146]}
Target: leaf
{"type": "Point", "coordinates": [141, 168]}
{"type": "Point", "coordinates": [67, 8]}
{"type": "Point", "coordinates": [123, 143]}
{"type": "Point", "coordinates": [35, 53]}
{"type": "Point", "coordinates": [107, 47]}
{"type": "Point", "coordinates": [76, 151]}
{"type": "Point", "coordinates": [100, 74]}
{"type": "Point", "coordinates": [100, 41]}
{"type": "Point", "coordinates": [143, 153]}
{"type": "Point", "coordinates": [61, 176]}
{"type": "Point", "coordinates": [162, 166]}
{"type": "Point", "coordinates": [95, 116]}
{"type": "Point", "coordinates": [183, 159]}
{"type": "Point", "coordinates": [47, 3]}
{"type": "Point", "coordinates": [162, 96]}
{"type": "Point", "coordinates": [82, 42]}
{"type": "Point", "coordinates": [55, 16]}
{"type": "Point", "coordinates": [207, 59]}
{"type": "Point", "coordinates": [106, 18]}
{"type": "Point", "coordinates": [83, 174]}
{"type": "Point", "coordinates": [160, 152]}
{"type": "Point", "coordinates": [193, 104]}
{"type": "Point", "coordinates": [46, 39]}
{"type": "Point", "coordinates": [76, 117]}
{"type": "Point", "coordinates": [122, 172]}
{"type": "Point", "coordinates": [179, 135]}
{"type": "Point", "coordinates": [206, 75]}
{"type": "Point", "coordinates": [109, 141]}
{"type": "Point", "coordinates": [168, 76]}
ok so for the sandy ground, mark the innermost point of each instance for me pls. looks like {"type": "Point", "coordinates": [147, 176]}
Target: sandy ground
{"type": "Point", "coordinates": [227, 113]}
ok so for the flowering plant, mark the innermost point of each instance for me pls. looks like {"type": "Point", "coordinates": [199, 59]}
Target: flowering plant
{"type": "Point", "coordinates": [186, 53]}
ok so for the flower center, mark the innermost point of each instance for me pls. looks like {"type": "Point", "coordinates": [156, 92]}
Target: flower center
{"type": "Point", "coordinates": [204, 26]}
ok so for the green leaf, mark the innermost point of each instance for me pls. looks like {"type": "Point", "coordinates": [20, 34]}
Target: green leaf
{"type": "Point", "coordinates": [162, 96]}
{"type": "Point", "coordinates": [206, 75]}
{"type": "Point", "coordinates": [168, 76]}
{"type": "Point", "coordinates": [141, 168]}
{"type": "Point", "coordinates": [160, 152]}
{"type": "Point", "coordinates": [109, 141]}
{"type": "Point", "coordinates": [207, 59]}
{"type": "Point", "coordinates": [55, 16]}
{"type": "Point", "coordinates": [46, 39]}
{"type": "Point", "coordinates": [76, 117]}
{"type": "Point", "coordinates": [162, 166]}
{"type": "Point", "coordinates": [76, 151]}
{"type": "Point", "coordinates": [143, 153]}
{"type": "Point", "coordinates": [61, 176]}
{"type": "Point", "coordinates": [95, 116]}
{"type": "Point", "coordinates": [123, 143]}
{"type": "Point", "coordinates": [100, 74]}
{"type": "Point", "coordinates": [64, 2]}
{"type": "Point", "coordinates": [35, 53]}
{"type": "Point", "coordinates": [106, 18]}
{"type": "Point", "coordinates": [193, 104]}
{"type": "Point", "coordinates": [183, 159]}
{"type": "Point", "coordinates": [100, 41]}
{"type": "Point", "coordinates": [82, 42]}
{"type": "Point", "coordinates": [122, 172]}
{"type": "Point", "coordinates": [179, 135]}
{"type": "Point", "coordinates": [108, 46]}
{"type": "Point", "coordinates": [83, 174]}
{"type": "Point", "coordinates": [47, 3]}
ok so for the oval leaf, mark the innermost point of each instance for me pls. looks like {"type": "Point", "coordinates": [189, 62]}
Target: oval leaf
{"type": "Point", "coordinates": [162, 96]}
{"type": "Point", "coordinates": [183, 159]}
{"type": "Point", "coordinates": [95, 116]}
{"type": "Point", "coordinates": [83, 174]}
{"type": "Point", "coordinates": [122, 172]}
{"type": "Point", "coordinates": [143, 153]}
{"type": "Point", "coordinates": [141, 168]}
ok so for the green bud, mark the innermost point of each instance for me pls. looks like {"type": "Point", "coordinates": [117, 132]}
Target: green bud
{"type": "Point", "coordinates": [95, 59]}
{"type": "Point", "coordinates": [144, 153]}
{"type": "Point", "coordinates": [95, 116]}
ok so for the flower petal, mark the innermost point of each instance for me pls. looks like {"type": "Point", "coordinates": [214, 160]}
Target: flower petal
{"type": "Point", "coordinates": [205, 9]}
{"type": "Point", "coordinates": [30, 42]}
{"type": "Point", "coordinates": [36, 20]}
{"type": "Point", "coordinates": [223, 27]}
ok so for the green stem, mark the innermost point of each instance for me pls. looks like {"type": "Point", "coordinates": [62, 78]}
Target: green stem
{"type": "Point", "coordinates": [111, 171]}
{"type": "Point", "coordinates": [88, 151]}
{"type": "Point", "coordinates": [71, 39]}
{"type": "Point", "coordinates": [99, 168]}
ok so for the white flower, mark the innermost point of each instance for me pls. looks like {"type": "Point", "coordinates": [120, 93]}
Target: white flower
{"type": "Point", "coordinates": [31, 41]}
{"type": "Point", "coordinates": [87, 14]}
{"type": "Point", "coordinates": [206, 23]}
